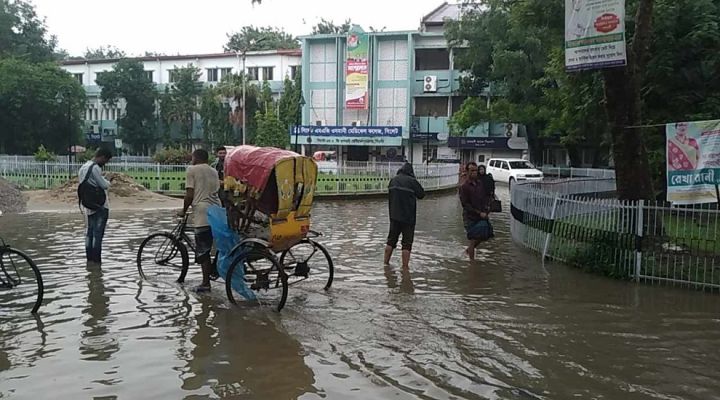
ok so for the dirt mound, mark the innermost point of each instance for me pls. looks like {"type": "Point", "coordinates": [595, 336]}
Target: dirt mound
{"type": "Point", "coordinates": [11, 198]}
{"type": "Point", "coordinates": [121, 185]}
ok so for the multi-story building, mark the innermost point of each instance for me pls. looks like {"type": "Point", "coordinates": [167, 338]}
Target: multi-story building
{"type": "Point", "coordinates": [377, 96]}
{"type": "Point", "coordinates": [272, 66]}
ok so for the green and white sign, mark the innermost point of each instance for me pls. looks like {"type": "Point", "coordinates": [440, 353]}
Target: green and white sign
{"type": "Point", "coordinates": [693, 161]}
{"type": "Point", "coordinates": [594, 34]}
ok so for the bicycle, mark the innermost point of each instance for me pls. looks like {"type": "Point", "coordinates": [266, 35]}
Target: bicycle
{"type": "Point", "coordinates": [166, 254]}
{"type": "Point", "coordinates": [18, 276]}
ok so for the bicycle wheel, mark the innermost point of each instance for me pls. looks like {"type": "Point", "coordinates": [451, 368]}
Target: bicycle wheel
{"type": "Point", "coordinates": [308, 260]}
{"type": "Point", "coordinates": [21, 285]}
{"type": "Point", "coordinates": [262, 275]}
{"type": "Point", "coordinates": [162, 255]}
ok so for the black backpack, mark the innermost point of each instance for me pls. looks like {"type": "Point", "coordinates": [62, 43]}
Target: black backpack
{"type": "Point", "coordinates": [91, 197]}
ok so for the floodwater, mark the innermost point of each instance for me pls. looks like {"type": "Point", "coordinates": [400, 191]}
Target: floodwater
{"type": "Point", "coordinates": [504, 327]}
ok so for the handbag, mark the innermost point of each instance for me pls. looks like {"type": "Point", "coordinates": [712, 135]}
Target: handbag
{"type": "Point", "coordinates": [89, 196]}
{"type": "Point", "coordinates": [480, 230]}
{"type": "Point", "coordinates": [495, 206]}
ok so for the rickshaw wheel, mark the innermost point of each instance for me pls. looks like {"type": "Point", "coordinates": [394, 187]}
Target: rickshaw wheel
{"type": "Point", "coordinates": [162, 255]}
{"type": "Point", "coordinates": [308, 260]}
{"type": "Point", "coordinates": [262, 275]}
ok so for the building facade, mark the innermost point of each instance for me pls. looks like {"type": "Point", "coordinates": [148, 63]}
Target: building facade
{"type": "Point", "coordinates": [101, 119]}
{"type": "Point", "coordinates": [389, 96]}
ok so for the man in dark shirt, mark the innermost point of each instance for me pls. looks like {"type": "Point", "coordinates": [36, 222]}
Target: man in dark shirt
{"type": "Point", "coordinates": [219, 166]}
{"type": "Point", "coordinates": [475, 202]}
{"type": "Point", "coordinates": [404, 190]}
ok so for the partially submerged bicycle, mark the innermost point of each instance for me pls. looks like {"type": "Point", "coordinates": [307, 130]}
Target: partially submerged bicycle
{"type": "Point", "coordinates": [21, 284]}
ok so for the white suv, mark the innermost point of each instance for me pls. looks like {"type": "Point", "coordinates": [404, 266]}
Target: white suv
{"type": "Point", "coordinates": [511, 170]}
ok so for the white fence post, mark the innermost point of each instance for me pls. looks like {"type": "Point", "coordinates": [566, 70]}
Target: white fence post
{"type": "Point", "coordinates": [638, 239]}
{"type": "Point", "coordinates": [45, 169]}
{"type": "Point", "coordinates": [157, 168]}
{"type": "Point", "coordinates": [549, 234]}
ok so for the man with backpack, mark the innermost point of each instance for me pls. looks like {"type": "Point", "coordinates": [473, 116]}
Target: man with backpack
{"type": "Point", "coordinates": [93, 196]}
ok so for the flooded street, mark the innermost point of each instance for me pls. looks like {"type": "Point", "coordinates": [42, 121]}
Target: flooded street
{"type": "Point", "coordinates": [504, 327]}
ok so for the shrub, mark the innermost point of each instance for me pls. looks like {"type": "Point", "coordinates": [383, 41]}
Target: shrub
{"type": "Point", "coordinates": [85, 156]}
{"type": "Point", "coordinates": [42, 154]}
{"type": "Point", "coordinates": [172, 156]}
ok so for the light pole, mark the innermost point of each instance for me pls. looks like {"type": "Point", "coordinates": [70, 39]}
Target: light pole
{"type": "Point", "coordinates": [301, 104]}
{"type": "Point", "coordinates": [59, 98]}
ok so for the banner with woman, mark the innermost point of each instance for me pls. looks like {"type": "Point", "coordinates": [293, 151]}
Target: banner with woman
{"type": "Point", "coordinates": [693, 161]}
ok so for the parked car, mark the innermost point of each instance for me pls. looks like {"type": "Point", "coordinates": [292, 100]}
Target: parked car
{"type": "Point", "coordinates": [512, 170]}
{"type": "Point", "coordinates": [326, 162]}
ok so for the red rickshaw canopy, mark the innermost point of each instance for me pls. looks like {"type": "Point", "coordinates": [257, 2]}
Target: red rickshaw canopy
{"type": "Point", "coordinates": [253, 165]}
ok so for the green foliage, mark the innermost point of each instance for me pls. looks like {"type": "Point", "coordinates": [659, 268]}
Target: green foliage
{"type": "Point", "coordinates": [215, 113]}
{"type": "Point", "coordinates": [251, 38]}
{"type": "Point", "coordinates": [30, 114]}
{"type": "Point", "coordinates": [85, 156]}
{"type": "Point", "coordinates": [328, 27]}
{"type": "Point", "coordinates": [128, 81]}
{"type": "Point", "coordinates": [103, 53]}
{"type": "Point", "coordinates": [289, 110]}
{"type": "Point", "coordinates": [42, 154]}
{"type": "Point", "coordinates": [172, 156]}
{"type": "Point", "coordinates": [23, 34]}
{"type": "Point", "coordinates": [231, 87]}
{"type": "Point", "coordinates": [270, 130]}
{"type": "Point", "coordinates": [179, 103]}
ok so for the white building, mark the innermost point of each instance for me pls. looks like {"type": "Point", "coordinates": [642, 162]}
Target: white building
{"type": "Point", "coordinates": [272, 66]}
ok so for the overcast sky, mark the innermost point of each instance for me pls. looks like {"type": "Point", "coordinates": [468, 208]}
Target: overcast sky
{"type": "Point", "coordinates": [192, 26]}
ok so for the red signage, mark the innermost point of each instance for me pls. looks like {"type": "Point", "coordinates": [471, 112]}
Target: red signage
{"type": "Point", "coordinates": [607, 23]}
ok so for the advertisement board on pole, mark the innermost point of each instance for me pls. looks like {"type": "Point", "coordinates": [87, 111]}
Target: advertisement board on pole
{"type": "Point", "coordinates": [693, 161]}
{"type": "Point", "coordinates": [594, 34]}
{"type": "Point", "coordinates": [357, 70]}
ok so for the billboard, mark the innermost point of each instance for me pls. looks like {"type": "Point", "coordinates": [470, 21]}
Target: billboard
{"type": "Point", "coordinates": [594, 34]}
{"type": "Point", "coordinates": [693, 161]}
{"type": "Point", "coordinates": [348, 135]}
{"type": "Point", "coordinates": [357, 70]}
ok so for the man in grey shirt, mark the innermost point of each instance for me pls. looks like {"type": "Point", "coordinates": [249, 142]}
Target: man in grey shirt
{"type": "Point", "coordinates": [96, 219]}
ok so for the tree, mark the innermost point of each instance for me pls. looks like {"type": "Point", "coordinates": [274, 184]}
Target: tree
{"type": "Point", "coordinates": [289, 103]}
{"type": "Point", "coordinates": [328, 27]}
{"type": "Point", "coordinates": [128, 81]}
{"type": "Point", "coordinates": [215, 112]}
{"type": "Point", "coordinates": [231, 87]}
{"type": "Point", "coordinates": [103, 53]}
{"type": "Point", "coordinates": [179, 103]}
{"type": "Point", "coordinates": [271, 132]}
{"type": "Point", "coordinates": [23, 34]}
{"type": "Point", "coordinates": [251, 38]}
{"type": "Point", "coordinates": [30, 114]}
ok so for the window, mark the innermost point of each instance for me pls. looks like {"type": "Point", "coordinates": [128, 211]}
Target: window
{"type": "Point", "coordinates": [520, 165]}
{"type": "Point", "coordinates": [457, 102]}
{"type": "Point", "coordinates": [253, 74]}
{"type": "Point", "coordinates": [268, 73]}
{"type": "Point", "coordinates": [504, 165]}
{"type": "Point", "coordinates": [212, 74]}
{"type": "Point", "coordinates": [294, 71]}
{"type": "Point", "coordinates": [99, 75]}
{"type": "Point", "coordinates": [431, 106]}
{"type": "Point", "coordinates": [172, 76]}
{"type": "Point", "coordinates": [481, 158]}
{"type": "Point", "coordinates": [393, 63]}
{"type": "Point", "coordinates": [225, 72]}
{"type": "Point", "coordinates": [392, 106]}
{"type": "Point", "coordinates": [323, 61]}
{"type": "Point", "coordinates": [79, 78]}
{"type": "Point", "coordinates": [432, 151]}
{"type": "Point", "coordinates": [432, 59]}
{"type": "Point", "coordinates": [149, 75]}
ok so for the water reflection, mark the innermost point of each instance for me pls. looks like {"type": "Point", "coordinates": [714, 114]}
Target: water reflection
{"type": "Point", "coordinates": [406, 283]}
{"type": "Point", "coordinates": [96, 341]}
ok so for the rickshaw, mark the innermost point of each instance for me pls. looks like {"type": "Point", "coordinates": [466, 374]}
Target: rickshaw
{"type": "Point", "coordinates": [268, 197]}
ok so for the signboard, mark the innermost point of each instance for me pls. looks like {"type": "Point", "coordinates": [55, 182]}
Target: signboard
{"type": "Point", "coordinates": [594, 34]}
{"type": "Point", "coordinates": [357, 70]}
{"type": "Point", "coordinates": [118, 143]}
{"type": "Point", "coordinates": [433, 136]}
{"type": "Point", "coordinates": [444, 153]}
{"type": "Point", "coordinates": [349, 135]}
{"type": "Point", "coordinates": [693, 161]}
{"type": "Point", "coordinates": [514, 143]}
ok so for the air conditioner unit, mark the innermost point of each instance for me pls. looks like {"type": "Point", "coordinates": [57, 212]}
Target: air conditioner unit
{"type": "Point", "coordinates": [358, 123]}
{"type": "Point", "coordinates": [430, 84]}
{"type": "Point", "coordinates": [320, 122]}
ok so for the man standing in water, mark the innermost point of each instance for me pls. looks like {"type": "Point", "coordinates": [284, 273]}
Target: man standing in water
{"type": "Point", "coordinates": [201, 191]}
{"type": "Point", "coordinates": [90, 174]}
{"type": "Point", "coordinates": [475, 202]}
{"type": "Point", "coordinates": [404, 190]}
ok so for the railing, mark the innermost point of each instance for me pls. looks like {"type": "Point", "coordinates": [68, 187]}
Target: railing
{"type": "Point", "coordinates": [368, 178]}
{"type": "Point", "coordinates": [63, 159]}
{"type": "Point", "coordinates": [645, 241]}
